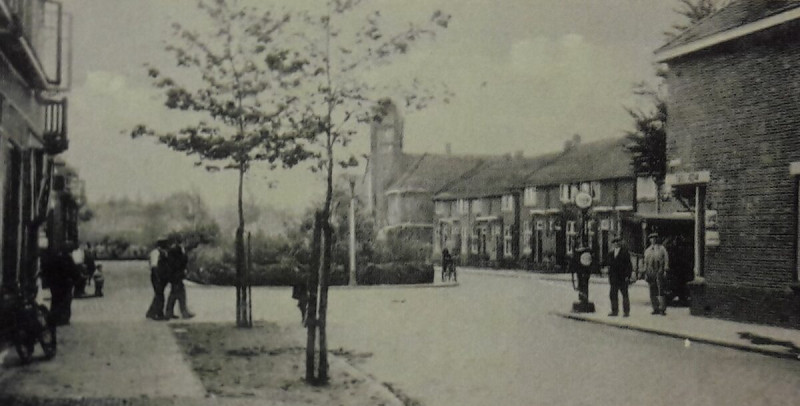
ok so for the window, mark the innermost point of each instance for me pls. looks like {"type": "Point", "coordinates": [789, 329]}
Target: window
{"type": "Point", "coordinates": [565, 197]}
{"type": "Point", "coordinates": [440, 208]}
{"type": "Point", "coordinates": [462, 206]}
{"type": "Point", "coordinates": [596, 191]}
{"type": "Point", "coordinates": [476, 240]}
{"type": "Point", "coordinates": [507, 241]}
{"type": "Point", "coordinates": [571, 236]}
{"type": "Point", "coordinates": [507, 203]}
{"type": "Point", "coordinates": [477, 206]}
{"type": "Point", "coordinates": [528, 234]}
{"type": "Point", "coordinates": [645, 189]}
{"type": "Point", "coordinates": [530, 198]}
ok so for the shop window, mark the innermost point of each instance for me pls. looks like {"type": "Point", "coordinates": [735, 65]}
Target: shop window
{"type": "Point", "coordinates": [596, 186]}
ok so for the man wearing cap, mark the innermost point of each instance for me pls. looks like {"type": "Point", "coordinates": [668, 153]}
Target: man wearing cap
{"type": "Point", "coordinates": [159, 273]}
{"type": "Point", "coordinates": [618, 261]}
{"type": "Point", "coordinates": [656, 264]}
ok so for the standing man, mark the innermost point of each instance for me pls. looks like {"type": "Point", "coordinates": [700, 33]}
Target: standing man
{"type": "Point", "coordinates": [656, 264]}
{"type": "Point", "coordinates": [619, 276]}
{"type": "Point", "coordinates": [60, 274]}
{"type": "Point", "coordinates": [159, 272]}
{"type": "Point", "coordinates": [177, 260]}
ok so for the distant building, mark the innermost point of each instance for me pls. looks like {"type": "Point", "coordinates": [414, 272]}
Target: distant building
{"type": "Point", "coordinates": [734, 151]}
{"type": "Point", "coordinates": [551, 221]}
{"type": "Point", "coordinates": [478, 213]}
{"type": "Point", "coordinates": [400, 186]}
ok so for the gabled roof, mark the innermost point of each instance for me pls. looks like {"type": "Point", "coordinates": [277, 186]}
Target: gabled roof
{"type": "Point", "coordinates": [738, 19]}
{"type": "Point", "coordinates": [431, 172]}
{"type": "Point", "coordinates": [494, 177]}
{"type": "Point", "coordinates": [598, 160]}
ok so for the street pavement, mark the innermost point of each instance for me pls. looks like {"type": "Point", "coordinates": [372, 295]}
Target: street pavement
{"type": "Point", "coordinates": [497, 337]}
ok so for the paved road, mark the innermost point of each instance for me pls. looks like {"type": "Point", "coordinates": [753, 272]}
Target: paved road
{"type": "Point", "coordinates": [491, 340]}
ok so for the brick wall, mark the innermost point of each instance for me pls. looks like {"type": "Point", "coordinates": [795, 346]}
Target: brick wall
{"type": "Point", "coordinates": [735, 111]}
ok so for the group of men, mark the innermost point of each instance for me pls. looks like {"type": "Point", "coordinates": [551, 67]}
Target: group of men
{"type": "Point", "coordinates": [168, 267]}
{"type": "Point", "coordinates": [620, 271]}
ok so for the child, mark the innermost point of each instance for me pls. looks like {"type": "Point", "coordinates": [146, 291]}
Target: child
{"type": "Point", "coordinates": [98, 281]}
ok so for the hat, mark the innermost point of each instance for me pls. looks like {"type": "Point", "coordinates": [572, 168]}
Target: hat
{"type": "Point", "coordinates": [652, 235]}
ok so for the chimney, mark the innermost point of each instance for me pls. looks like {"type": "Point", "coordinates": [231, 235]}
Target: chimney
{"type": "Point", "coordinates": [447, 149]}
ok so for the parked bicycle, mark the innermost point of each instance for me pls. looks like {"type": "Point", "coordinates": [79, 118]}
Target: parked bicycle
{"type": "Point", "coordinates": [29, 324]}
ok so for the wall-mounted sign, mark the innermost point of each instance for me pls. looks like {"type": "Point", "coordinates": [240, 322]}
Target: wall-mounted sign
{"type": "Point", "coordinates": [711, 219]}
{"type": "Point", "coordinates": [712, 238]}
{"type": "Point", "coordinates": [688, 178]}
{"type": "Point", "coordinates": [583, 200]}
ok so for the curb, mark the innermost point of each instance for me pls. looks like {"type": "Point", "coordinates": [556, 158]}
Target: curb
{"type": "Point", "coordinates": [690, 337]}
{"type": "Point", "coordinates": [377, 387]}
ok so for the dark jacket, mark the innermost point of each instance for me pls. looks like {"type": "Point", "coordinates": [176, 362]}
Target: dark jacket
{"type": "Point", "coordinates": [58, 269]}
{"type": "Point", "coordinates": [177, 261]}
{"type": "Point", "coordinates": [619, 267]}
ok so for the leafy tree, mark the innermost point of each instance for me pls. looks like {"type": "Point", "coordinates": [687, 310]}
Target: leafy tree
{"type": "Point", "coordinates": [694, 11]}
{"type": "Point", "coordinates": [648, 140]}
{"type": "Point", "coordinates": [227, 73]}
{"type": "Point", "coordinates": [340, 44]}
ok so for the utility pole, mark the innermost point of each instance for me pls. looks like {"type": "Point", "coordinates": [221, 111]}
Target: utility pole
{"type": "Point", "coordinates": [352, 232]}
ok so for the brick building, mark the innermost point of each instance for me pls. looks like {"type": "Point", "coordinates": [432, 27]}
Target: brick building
{"type": "Point", "coordinates": [734, 148]}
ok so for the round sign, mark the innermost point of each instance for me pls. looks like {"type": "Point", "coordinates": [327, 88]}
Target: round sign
{"type": "Point", "coordinates": [586, 258]}
{"type": "Point", "coordinates": [583, 200]}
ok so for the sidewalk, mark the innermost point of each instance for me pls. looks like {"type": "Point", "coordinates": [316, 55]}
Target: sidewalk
{"type": "Point", "coordinates": [678, 323]}
{"type": "Point", "coordinates": [111, 355]}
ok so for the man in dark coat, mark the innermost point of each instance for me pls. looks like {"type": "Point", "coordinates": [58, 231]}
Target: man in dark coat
{"type": "Point", "coordinates": [60, 274]}
{"type": "Point", "coordinates": [159, 274]}
{"type": "Point", "coordinates": [177, 260]}
{"type": "Point", "coordinates": [619, 276]}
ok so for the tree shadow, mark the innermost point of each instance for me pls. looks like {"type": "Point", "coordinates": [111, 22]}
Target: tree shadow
{"type": "Point", "coordinates": [762, 340]}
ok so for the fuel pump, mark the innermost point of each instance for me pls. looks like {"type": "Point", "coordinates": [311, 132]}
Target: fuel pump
{"type": "Point", "coordinates": [583, 262]}
{"type": "Point", "coordinates": [581, 267]}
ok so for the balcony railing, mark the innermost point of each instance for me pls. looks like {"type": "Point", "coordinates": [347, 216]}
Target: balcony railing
{"type": "Point", "coordinates": [55, 126]}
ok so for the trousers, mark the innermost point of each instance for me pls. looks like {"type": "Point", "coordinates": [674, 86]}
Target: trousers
{"type": "Point", "coordinates": [615, 291]}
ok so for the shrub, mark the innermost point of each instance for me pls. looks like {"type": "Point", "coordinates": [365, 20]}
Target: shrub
{"type": "Point", "coordinates": [395, 273]}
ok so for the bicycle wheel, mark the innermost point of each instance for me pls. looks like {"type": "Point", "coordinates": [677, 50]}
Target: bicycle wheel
{"type": "Point", "coordinates": [24, 344]}
{"type": "Point", "coordinates": [47, 335]}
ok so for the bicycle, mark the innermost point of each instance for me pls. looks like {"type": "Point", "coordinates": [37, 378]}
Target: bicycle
{"type": "Point", "coordinates": [31, 324]}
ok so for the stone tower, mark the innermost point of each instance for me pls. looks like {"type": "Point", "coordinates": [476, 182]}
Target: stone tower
{"type": "Point", "coordinates": [386, 156]}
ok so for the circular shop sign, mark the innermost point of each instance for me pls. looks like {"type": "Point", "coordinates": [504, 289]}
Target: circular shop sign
{"type": "Point", "coordinates": [586, 258]}
{"type": "Point", "coordinates": [583, 200]}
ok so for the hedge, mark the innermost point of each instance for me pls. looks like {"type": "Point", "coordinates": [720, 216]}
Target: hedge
{"type": "Point", "coordinates": [393, 273]}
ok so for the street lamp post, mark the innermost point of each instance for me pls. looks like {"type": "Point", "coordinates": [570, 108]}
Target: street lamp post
{"type": "Point", "coordinates": [352, 232]}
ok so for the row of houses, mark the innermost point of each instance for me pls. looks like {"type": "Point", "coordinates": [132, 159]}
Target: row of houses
{"type": "Point", "coordinates": [733, 180]}
{"type": "Point", "coordinates": [507, 211]}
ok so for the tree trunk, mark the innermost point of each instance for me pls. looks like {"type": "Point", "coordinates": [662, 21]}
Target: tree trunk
{"type": "Point", "coordinates": [312, 284]}
{"type": "Point", "coordinates": [241, 288]}
{"type": "Point", "coordinates": [324, 272]}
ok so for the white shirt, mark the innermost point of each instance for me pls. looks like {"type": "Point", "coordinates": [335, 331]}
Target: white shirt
{"type": "Point", "coordinates": [154, 257]}
{"type": "Point", "coordinates": [616, 252]}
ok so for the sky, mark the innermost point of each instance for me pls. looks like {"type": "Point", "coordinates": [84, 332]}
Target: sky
{"type": "Point", "coordinates": [527, 75]}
